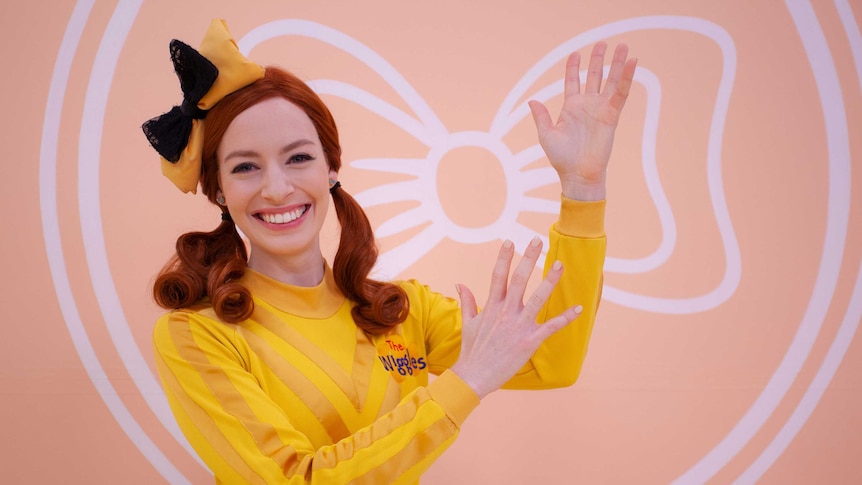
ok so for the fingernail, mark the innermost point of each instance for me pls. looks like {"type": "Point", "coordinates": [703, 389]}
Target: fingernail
{"type": "Point", "coordinates": [458, 289]}
{"type": "Point", "coordinates": [579, 308]}
{"type": "Point", "coordinates": [507, 244]}
{"type": "Point", "coordinates": [536, 241]}
{"type": "Point", "coordinates": [557, 265]}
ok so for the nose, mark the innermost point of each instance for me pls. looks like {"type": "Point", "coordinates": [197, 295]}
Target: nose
{"type": "Point", "coordinates": [276, 186]}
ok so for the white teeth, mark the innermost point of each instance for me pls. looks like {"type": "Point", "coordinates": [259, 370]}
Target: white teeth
{"type": "Point", "coordinates": [284, 217]}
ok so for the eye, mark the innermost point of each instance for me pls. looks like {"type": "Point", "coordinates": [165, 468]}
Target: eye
{"type": "Point", "coordinates": [242, 168]}
{"type": "Point", "coordinates": [299, 158]}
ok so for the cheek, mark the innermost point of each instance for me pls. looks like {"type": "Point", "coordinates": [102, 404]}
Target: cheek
{"type": "Point", "coordinates": [236, 193]}
{"type": "Point", "coordinates": [223, 181]}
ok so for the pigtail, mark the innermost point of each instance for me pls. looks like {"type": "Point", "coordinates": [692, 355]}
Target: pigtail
{"type": "Point", "coordinates": [379, 305]}
{"type": "Point", "coordinates": [207, 264]}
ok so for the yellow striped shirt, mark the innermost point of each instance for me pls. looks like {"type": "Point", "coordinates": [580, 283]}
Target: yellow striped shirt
{"type": "Point", "coordinates": [298, 394]}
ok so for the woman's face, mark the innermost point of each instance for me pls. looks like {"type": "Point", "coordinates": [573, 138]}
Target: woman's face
{"type": "Point", "coordinates": [275, 181]}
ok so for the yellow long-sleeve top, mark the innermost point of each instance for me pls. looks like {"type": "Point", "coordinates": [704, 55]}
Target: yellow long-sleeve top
{"type": "Point", "coordinates": [297, 394]}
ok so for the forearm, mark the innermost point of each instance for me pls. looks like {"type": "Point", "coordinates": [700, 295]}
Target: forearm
{"type": "Point", "coordinates": [578, 241]}
{"type": "Point", "coordinates": [245, 437]}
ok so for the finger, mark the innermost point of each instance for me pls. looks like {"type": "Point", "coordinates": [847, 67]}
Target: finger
{"type": "Point", "coordinates": [621, 93]}
{"type": "Point", "coordinates": [521, 275]}
{"type": "Point", "coordinates": [597, 65]}
{"type": "Point", "coordinates": [557, 323]}
{"type": "Point", "coordinates": [500, 273]}
{"type": "Point", "coordinates": [616, 70]}
{"type": "Point", "coordinates": [537, 300]}
{"type": "Point", "coordinates": [468, 303]}
{"type": "Point", "coordinates": [541, 117]}
{"type": "Point", "coordinates": [572, 84]}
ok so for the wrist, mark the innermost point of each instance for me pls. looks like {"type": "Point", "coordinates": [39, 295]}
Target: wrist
{"type": "Point", "coordinates": [454, 395]}
{"type": "Point", "coordinates": [578, 188]}
{"type": "Point", "coordinates": [470, 380]}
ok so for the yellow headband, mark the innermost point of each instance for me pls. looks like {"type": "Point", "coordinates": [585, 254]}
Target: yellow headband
{"type": "Point", "coordinates": [232, 72]}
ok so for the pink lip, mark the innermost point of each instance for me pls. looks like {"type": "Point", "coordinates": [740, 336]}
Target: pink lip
{"type": "Point", "coordinates": [285, 225]}
{"type": "Point", "coordinates": [280, 210]}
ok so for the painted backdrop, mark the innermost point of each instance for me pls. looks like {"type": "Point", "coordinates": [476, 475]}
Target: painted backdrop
{"type": "Point", "coordinates": [726, 347]}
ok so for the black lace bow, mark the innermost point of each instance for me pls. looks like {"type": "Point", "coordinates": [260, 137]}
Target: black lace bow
{"type": "Point", "coordinates": [169, 133]}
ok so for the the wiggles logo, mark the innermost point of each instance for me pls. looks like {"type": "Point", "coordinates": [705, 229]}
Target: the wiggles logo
{"type": "Point", "coordinates": [400, 359]}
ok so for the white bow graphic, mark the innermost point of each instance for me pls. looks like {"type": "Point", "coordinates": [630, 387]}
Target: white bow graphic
{"type": "Point", "coordinates": [427, 128]}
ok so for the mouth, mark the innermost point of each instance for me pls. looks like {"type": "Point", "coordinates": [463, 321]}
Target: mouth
{"type": "Point", "coordinates": [283, 217]}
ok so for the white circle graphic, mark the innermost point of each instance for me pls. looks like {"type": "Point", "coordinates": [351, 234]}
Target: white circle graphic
{"type": "Point", "coordinates": [427, 127]}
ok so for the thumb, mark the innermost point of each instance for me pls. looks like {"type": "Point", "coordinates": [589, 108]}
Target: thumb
{"type": "Point", "coordinates": [541, 117]}
{"type": "Point", "coordinates": [468, 302]}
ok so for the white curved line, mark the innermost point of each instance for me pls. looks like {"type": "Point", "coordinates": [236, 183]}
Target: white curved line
{"type": "Point", "coordinates": [650, 169]}
{"type": "Point", "coordinates": [402, 222]}
{"type": "Point", "coordinates": [387, 72]}
{"type": "Point", "coordinates": [691, 24]}
{"type": "Point", "coordinates": [849, 325]}
{"type": "Point", "coordinates": [838, 206]}
{"type": "Point", "coordinates": [360, 51]}
{"type": "Point", "coordinates": [504, 125]}
{"type": "Point", "coordinates": [538, 177]}
{"type": "Point", "coordinates": [537, 204]}
{"type": "Point", "coordinates": [396, 260]}
{"type": "Point", "coordinates": [53, 240]}
{"type": "Point", "coordinates": [374, 104]}
{"type": "Point", "coordinates": [530, 155]}
{"type": "Point", "coordinates": [854, 36]}
{"type": "Point", "coordinates": [653, 182]}
{"type": "Point", "coordinates": [730, 280]}
{"type": "Point", "coordinates": [409, 190]}
{"type": "Point", "coordinates": [89, 153]}
{"type": "Point", "coordinates": [522, 235]}
{"type": "Point", "coordinates": [846, 334]}
{"type": "Point", "coordinates": [406, 166]}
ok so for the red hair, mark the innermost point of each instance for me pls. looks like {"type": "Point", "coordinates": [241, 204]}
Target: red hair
{"type": "Point", "coordinates": [208, 264]}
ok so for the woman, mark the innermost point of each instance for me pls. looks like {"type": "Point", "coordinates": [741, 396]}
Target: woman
{"type": "Point", "coordinates": [281, 368]}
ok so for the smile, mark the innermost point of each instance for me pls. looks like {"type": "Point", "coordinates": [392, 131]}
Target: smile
{"type": "Point", "coordinates": [283, 218]}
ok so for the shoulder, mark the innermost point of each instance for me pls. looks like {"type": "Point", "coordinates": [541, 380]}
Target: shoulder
{"type": "Point", "coordinates": [199, 312]}
{"type": "Point", "coordinates": [416, 291]}
{"type": "Point", "coordinates": [425, 302]}
{"type": "Point", "coordinates": [187, 323]}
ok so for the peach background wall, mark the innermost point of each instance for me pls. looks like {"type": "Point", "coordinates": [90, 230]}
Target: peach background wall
{"type": "Point", "coordinates": [726, 348]}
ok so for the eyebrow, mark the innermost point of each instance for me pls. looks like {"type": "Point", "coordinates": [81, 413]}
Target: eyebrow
{"type": "Point", "coordinates": [287, 148]}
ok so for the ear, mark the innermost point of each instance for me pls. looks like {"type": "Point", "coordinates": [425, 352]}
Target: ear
{"type": "Point", "coordinates": [333, 177]}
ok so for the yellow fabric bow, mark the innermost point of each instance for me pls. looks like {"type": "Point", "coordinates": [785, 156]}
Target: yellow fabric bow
{"type": "Point", "coordinates": [234, 72]}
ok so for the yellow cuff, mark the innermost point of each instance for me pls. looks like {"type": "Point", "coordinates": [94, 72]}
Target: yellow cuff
{"type": "Point", "coordinates": [454, 396]}
{"type": "Point", "coordinates": [584, 219]}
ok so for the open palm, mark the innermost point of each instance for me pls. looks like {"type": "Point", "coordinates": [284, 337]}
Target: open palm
{"type": "Point", "coordinates": [579, 144]}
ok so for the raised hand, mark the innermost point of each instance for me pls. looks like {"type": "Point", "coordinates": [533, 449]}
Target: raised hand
{"type": "Point", "coordinates": [579, 144]}
{"type": "Point", "coordinates": [498, 341]}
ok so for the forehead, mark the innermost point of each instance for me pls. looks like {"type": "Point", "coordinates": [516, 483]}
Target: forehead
{"type": "Point", "coordinates": [274, 121]}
